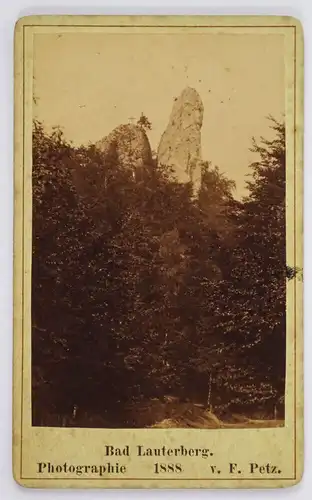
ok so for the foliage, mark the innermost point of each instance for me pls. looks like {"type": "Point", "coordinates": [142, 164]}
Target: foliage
{"type": "Point", "coordinates": [140, 290]}
{"type": "Point", "coordinates": [144, 122]}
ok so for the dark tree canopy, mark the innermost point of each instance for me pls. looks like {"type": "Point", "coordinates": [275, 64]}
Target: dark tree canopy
{"type": "Point", "coordinates": [140, 290]}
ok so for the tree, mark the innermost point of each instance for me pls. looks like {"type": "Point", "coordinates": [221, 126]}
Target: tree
{"type": "Point", "coordinates": [240, 327]}
{"type": "Point", "coordinates": [257, 290]}
{"type": "Point", "coordinates": [144, 122]}
{"type": "Point", "coordinates": [73, 334]}
{"type": "Point", "coordinates": [102, 286]}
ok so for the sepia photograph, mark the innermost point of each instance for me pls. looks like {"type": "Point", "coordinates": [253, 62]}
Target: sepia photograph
{"type": "Point", "coordinates": [159, 264]}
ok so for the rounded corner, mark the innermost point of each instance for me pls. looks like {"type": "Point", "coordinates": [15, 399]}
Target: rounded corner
{"type": "Point", "coordinates": [297, 24]}
{"type": "Point", "coordinates": [18, 480]}
{"type": "Point", "coordinates": [299, 477]}
{"type": "Point", "coordinates": [23, 21]}
{"type": "Point", "coordinates": [19, 23]}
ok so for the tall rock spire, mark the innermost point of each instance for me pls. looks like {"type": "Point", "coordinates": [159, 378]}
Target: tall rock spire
{"type": "Point", "coordinates": [180, 144]}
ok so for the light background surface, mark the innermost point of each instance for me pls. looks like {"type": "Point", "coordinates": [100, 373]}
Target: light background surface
{"type": "Point", "coordinates": [9, 14]}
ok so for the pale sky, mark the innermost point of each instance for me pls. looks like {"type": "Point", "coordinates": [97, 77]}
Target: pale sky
{"type": "Point", "coordinates": [89, 83]}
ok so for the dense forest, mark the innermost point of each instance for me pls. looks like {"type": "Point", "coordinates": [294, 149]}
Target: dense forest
{"type": "Point", "coordinates": [142, 291]}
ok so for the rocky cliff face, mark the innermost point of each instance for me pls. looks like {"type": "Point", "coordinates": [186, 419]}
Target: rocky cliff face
{"type": "Point", "coordinates": [128, 144]}
{"type": "Point", "coordinates": [180, 144]}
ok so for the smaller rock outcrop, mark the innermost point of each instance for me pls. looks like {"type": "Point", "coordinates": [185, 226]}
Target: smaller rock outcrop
{"type": "Point", "coordinates": [128, 144]}
{"type": "Point", "coordinates": [180, 144]}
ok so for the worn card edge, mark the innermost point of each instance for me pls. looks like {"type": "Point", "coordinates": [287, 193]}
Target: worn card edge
{"type": "Point", "coordinates": [188, 21]}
